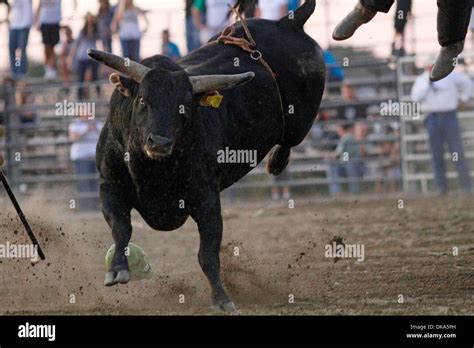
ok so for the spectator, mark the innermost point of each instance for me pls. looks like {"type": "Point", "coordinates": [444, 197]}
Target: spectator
{"type": "Point", "coordinates": [349, 164]}
{"type": "Point", "coordinates": [271, 9]}
{"type": "Point", "coordinates": [216, 15]}
{"type": "Point", "coordinates": [23, 98]}
{"type": "Point", "coordinates": [351, 109]}
{"type": "Point", "coordinates": [192, 34]}
{"type": "Point", "coordinates": [21, 20]}
{"type": "Point", "coordinates": [104, 23]}
{"type": "Point", "coordinates": [65, 68]}
{"type": "Point", "coordinates": [280, 188]}
{"type": "Point", "coordinates": [387, 149]}
{"type": "Point", "coordinates": [293, 5]}
{"type": "Point", "coordinates": [169, 48]}
{"type": "Point", "coordinates": [440, 101]}
{"type": "Point", "coordinates": [84, 134]}
{"type": "Point", "coordinates": [335, 74]}
{"type": "Point", "coordinates": [126, 23]}
{"type": "Point", "coordinates": [48, 19]}
{"type": "Point", "coordinates": [79, 57]}
{"type": "Point", "coordinates": [401, 19]}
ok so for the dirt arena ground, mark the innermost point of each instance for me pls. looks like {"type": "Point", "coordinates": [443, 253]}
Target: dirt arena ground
{"type": "Point", "coordinates": [408, 252]}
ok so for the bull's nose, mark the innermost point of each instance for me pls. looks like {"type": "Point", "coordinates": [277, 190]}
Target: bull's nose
{"type": "Point", "coordinates": [159, 143]}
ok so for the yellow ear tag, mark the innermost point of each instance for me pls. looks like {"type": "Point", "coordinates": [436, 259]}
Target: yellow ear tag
{"type": "Point", "coordinates": [215, 100]}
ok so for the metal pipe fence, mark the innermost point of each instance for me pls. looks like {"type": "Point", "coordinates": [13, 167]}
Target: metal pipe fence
{"type": "Point", "coordinates": [37, 154]}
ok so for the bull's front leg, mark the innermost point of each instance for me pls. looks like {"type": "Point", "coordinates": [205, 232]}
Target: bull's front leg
{"type": "Point", "coordinates": [116, 210]}
{"type": "Point", "coordinates": [209, 220]}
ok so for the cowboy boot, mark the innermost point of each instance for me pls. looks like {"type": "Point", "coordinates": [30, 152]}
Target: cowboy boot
{"type": "Point", "coordinates": [347, 27]}
{"type": "Point", "coordinates": [446, 61]}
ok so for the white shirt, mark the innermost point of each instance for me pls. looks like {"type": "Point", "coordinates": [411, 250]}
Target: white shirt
{"type": "Point", "coordinates": [443, 95]}
{"type": "Point", "coordinates": [85, 147]}
{"type": "Point", "coordinates": [129, 28]}
{"type": "Point", "coordinates": [216, 13]}
{"type": "Point", "coordinates": [270, 9]}
{"type": "Point", "coordinates": [216, 18]}
{"type": "Point", "coordinates": [50, 12]}
{"type": "Point", "coordinates": [21, 15]}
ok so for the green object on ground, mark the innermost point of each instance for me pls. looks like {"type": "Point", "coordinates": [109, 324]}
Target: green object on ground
{"type": "Point", "coordinates": [138, 263]}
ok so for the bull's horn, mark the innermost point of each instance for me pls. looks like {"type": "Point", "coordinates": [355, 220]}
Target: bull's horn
{"type": "Point", "coordinates": [208, 83]}
{"type": "Point", "coordinates": [135, 70]}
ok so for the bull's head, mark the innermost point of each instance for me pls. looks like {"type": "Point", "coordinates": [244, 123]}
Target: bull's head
{"type": "Point", "coordinates": [161, 98]}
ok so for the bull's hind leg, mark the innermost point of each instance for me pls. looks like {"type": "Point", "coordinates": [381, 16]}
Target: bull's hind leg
{"type": "Point", "coordinates": [209, 220]}
{"type": "Point", "coordinates": [278, 159]}
{"type": "Point", "coordinates": [116, 211]}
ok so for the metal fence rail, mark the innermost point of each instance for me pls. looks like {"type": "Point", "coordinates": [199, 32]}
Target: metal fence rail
{"type": "Point", "coordinates": [38, 154]}
{"type": "Point", "coordinates": [417, 173]}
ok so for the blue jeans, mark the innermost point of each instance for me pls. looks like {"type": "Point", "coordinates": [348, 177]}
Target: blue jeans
{"type": "Point", "coordinates": [82, 67]}
{"type": "Point", "coordinates": [444, 127]}
{"type": "Point", "coordinates": [351, 170]}
{"type": "Point", "coordinates": [106, 43]}
{"type": "Point", "coordinates": [192, 35]}
{"type": "Point", "coordinates": [131, 49]}
{"type": "Point", "coordinates": [86, 167]}
{"type": "Point", "coordinates": [18, 39]}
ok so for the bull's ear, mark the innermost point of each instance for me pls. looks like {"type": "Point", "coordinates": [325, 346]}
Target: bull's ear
{"type": "Point", "coordinates": [122, 84]}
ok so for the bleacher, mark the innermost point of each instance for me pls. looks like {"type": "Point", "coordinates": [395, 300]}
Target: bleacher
{"type": "Point", "coordinates": [44, 146]}
{"type": "Point", "coordinates": [39, 153]}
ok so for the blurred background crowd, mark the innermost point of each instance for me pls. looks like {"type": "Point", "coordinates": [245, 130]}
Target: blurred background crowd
{"type": "Point", "coordinates": [387, 154]}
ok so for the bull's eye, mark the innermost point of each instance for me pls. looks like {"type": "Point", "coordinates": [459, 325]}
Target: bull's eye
{"type": "Point", "coordinates": [142, 101]}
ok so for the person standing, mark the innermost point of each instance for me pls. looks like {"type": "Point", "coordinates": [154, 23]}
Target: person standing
{"type": "Point", "coordinates": [125, 22]}
{"type": "Point", "coordinates": [21, 20]}
{"type": "Point", "coordinates": [79, 58]}
{"type": "Point", "coordinates": [216, 15]}
{"type": "Point", "coordinates": [348, 164]}
{"type": "Point", "coordinates": [168, 48]}
{"type": "Point", "coordinates": [104, 22]}
{"type": "Point", "coordinates": [48, 19]}
{"type": "Point", "coordinates": [453, 22]}
{"type": "Point", "coordinates": [192, 34]}
{"type": "Point", "coordinates": [84, 135]}
{"type": "Point", "coordinates": [65, 63]}
{"type": "Point", "coordinates": [293, 5]}
{"type": "Point", "coordinates": [271, 9]}
{"type": "Point", "coordinates": [402, 13]}
{"type": "Point", "coordinates": [334, 73]}
{"type": "Point", "coordinates": [440, 101]}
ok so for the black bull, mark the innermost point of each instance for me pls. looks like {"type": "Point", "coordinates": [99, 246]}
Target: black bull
{"type": "Point", "coordinates": [158, 151]}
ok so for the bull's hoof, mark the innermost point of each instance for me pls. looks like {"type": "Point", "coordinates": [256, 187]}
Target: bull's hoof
{"type": "Point", "coordinates": [112, 277]}
{"type": "Point", "coordinates": [225, 307]}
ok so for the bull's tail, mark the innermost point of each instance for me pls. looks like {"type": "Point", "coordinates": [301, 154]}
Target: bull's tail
{"type": "Point", "coordinates": [278, 159]}
{"type": "Point", "coordinates": [302, 14]}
